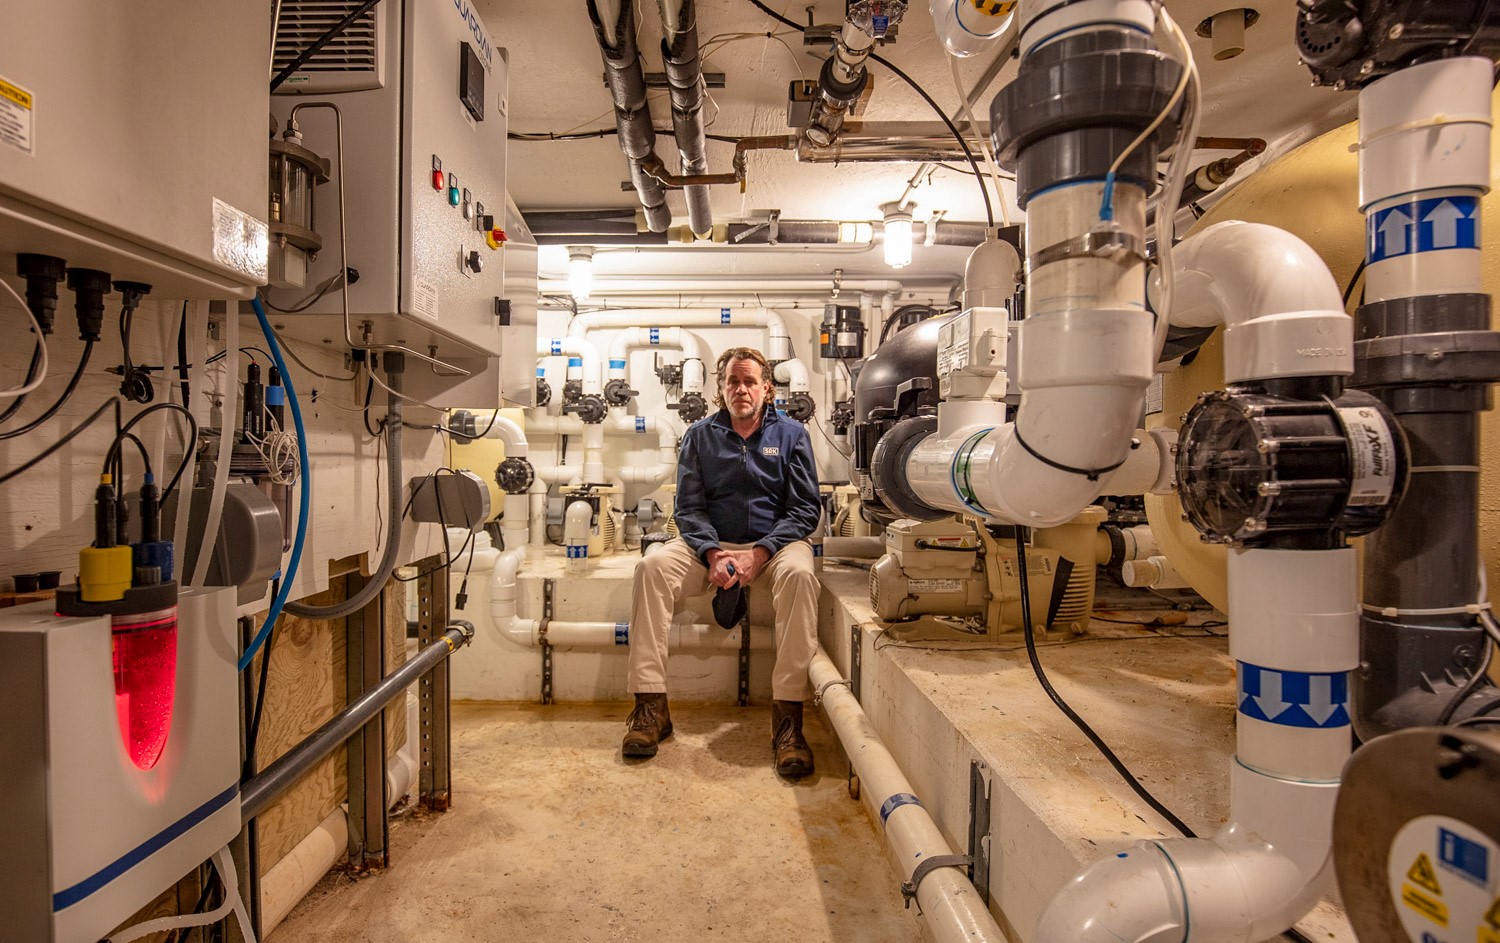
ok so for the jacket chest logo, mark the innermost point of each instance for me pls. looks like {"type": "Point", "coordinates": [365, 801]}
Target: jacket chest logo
{"type": "Point", "coordinates": [770, 451]}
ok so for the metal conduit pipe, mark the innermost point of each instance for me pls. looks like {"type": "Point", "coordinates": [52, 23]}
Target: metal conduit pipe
{"type": "Point", "coordinates": [951, 908]}
{"type": "Point", "coordinates": [627, 86]}
{"type": "Point", "coordinates": [684, 68]}
{"type": "Point", "coordinates": [263, 788]}
{"type": "Point", "coordinates": [786, 232]}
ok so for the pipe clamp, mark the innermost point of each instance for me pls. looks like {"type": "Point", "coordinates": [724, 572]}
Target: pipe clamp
{"type": "Point", "coordinates": [926, 866]}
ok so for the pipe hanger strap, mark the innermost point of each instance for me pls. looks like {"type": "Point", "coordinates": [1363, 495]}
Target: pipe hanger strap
{"type": "Point", "coordinates": [925, 867]}
{"type": "Point", "coordinates": [1092, 474]}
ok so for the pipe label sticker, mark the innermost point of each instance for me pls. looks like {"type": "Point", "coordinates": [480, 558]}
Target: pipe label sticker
{"type": "Point", "coordinates": [616, 363]}
{"type": "Point", "coordinates": [17, 117]}
{"type": "Point", "coordinates": [1372, 450]}
{"type": "Point", "coordinates": [1432, 225]}
{"type": "Point", "coordinates": [640, 424]}
{"type": "Point", "coordinates": [1442, 881]}
{"type": "Point", "coordinates": [723, 315]}
{"type": "Point", "coordinates": [895, 802]}
{"type": "Point", "coordinates": [1294, 698]}
{"type": "Point", "coordinates": [622, 633]}
{"type": "Point", "coordinates": [557, 346]}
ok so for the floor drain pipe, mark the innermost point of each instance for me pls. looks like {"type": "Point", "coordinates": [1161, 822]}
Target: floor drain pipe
{"type": "Point", "coordinates": [951, 907]}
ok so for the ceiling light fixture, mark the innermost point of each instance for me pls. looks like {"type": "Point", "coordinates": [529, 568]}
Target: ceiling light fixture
{"type": "Point", "coordinates": [897, 233]}
{"type": "Point", "coordinates": [580, 272]}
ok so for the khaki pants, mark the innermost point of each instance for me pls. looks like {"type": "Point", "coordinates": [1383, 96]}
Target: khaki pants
{"type": "Point", "coordinates": [674, 573]}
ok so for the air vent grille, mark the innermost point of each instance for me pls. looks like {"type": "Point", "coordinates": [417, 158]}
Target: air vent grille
{"type": "Point", "coordinates": [353, 53]}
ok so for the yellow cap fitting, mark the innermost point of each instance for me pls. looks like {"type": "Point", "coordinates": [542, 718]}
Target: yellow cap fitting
{"type": "Point", "coordinates": [104, 574]}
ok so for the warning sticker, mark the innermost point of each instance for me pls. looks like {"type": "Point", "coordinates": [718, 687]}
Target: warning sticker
{"type": "Point", "coordinates": [1421, 874]}
{"type": "Point", "coordinates": [424, 301]}
{"type": "Point", "coordinates": [1429, 907]}
{"type": "Point", "coordinates": [1442, 878]}
{"type": "Point", "coordinates": [935, 586]}
{"type": "Point", "coordinates": [17, 117]}
{"type": "Point", "coordinates": [1372, 449]}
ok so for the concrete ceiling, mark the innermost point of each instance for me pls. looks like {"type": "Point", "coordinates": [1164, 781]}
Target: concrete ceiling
{"type": "Point", "coordinates": [556, 86]}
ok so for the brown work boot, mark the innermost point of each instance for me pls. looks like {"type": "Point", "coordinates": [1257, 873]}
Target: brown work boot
{"type": "Point", "coordinates": [794, 758]}
{"type": "Point", "coordinates": [649, 724]}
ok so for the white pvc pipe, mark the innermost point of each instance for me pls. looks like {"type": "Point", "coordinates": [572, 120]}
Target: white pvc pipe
{"type": "Point", "coordinates": [952, 909]}
{"type": "Point", "coordinates": [1295, 615]}
{"type": "Point", "coordinates": [1282, 312]}
{"type": "Point", "coordinates": [1086, 357]}
{"type": "Point", "coordinates": [577, 518]}
{"type": "Point", "coordinates": [863, 548]}
{"type": "Point", "coordinates": [1155, 572]}
{"type": "Point", "coordinates": [509, 432]}
{"type": "Point", "coordinates": [575, 346]}
{"type": "Point", "coordinates": [229, 413]}
{"type": "Point", "coordinates": [593, 451]}
{"type": "Point", "coordinates": [290, 880]}
{"type": "Point", "coordinates": [1043, 21]}
{"type": "Point", "coordinates": [775, 326]}
{"type": "Point", "coordinates": [964, 29]}
{"type": "Point", "coordinates": [637, 338]}
{"type": "Point", "coordinates": [1424, 137]}
{"type": "Point", "coordinates": [759, 285]}
{"type": "Point", "coordinates": [794, 374]}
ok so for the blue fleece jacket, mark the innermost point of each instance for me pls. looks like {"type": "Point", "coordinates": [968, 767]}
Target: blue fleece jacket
{"type": "Point", "coordinates": [761, 490]}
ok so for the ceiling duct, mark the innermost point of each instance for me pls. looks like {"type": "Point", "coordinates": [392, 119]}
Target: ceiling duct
{"type": "Point", "coordinates": [627, 86]}
{"type": "Point", "coordinates": [684, 68]}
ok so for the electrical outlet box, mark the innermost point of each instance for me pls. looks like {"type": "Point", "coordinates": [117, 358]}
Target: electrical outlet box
{"type": "Point", "coordinates": [133, 141]}
{"type": "Point", "coordinates": [424, 133]}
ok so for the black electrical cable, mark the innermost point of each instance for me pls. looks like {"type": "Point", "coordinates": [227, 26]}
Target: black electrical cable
{"type": "Point", "coordinates": [435, 427]}
{"type": "Point", "coordinates": [67, 393]}
{"type": "Point", "coordinates": [1478, 678]}
{"type": "Point", "coordinates": [317, 44]}
{"type": "Point", "coordinates": [117, 469]}
{"type": "Point", "coordinates": [1062, 705]}
{"type": "Point", "coordinates": [182, 358]}
{"type": "Point", "coordinates": [369, 391]}
{"type": "Point", "coordinates": [900, 313]}
{"type": "Point", "coordinates": [252, 736]}
{"type": "Point", "coordinates": [989, 210]}
{"type": "Point", "coordinates": [36, 362]}
{"type": "Point", "coordinates": [181, 933]}
{"type": "Point", "coordinates": [1354, 280]}
{"type": "Point", "coordinates": [75, 432]}
{"type": "Point", "coordinates": [187, 452]}
{"type": "Point", "coordinates": [252, 351]}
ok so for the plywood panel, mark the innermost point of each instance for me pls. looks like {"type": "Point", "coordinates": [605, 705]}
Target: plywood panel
{"type": "Point", "coordinates": [305, 688]}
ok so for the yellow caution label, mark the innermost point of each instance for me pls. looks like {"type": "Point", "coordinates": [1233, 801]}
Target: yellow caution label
{"type": "Point", "coordinates": [995, 7]}
{"type": "Point", "coordinates": [1492, 916]}
{"type": "Point", "coordinates": [1422, 874]}
{"type": "Point", "coordinates": [1429, 907]}
{"type": "Point", "coordinates": [16, 94]}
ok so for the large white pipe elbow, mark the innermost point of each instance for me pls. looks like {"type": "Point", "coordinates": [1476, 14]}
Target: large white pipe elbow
{"type": "Point", "coordinates": [503, 616]}
{"type": "Point", "coordinates": [1282, 312]}
{"type": "Point", "coordinates": [509, 431]}
{"type": "Point", "coordinates": [794, 374]}
{"type": "Point", "coordinates": [575, 346]}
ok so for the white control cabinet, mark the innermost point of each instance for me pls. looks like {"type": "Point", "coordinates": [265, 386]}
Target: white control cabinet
{"type": "Point", "coordinates": [421, 89]}
{"type": "Point", "coordinates": [133, 141]}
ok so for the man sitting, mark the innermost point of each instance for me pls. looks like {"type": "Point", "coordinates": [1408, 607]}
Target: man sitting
{"type": "Point", "coordinates": [747, 499]}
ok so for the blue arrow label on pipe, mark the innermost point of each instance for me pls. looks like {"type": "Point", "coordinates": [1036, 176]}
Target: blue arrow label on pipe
{"type": "Point", "coordinates": [1294, 698]}
{"type": "Point", "coordinates": [640, 424]}
{"type": "Point", "coordinates": [895, 802]}
{"type": "Point", "coordinates": [556, 346]}
{"type": "Point", "coordinates": [723, 315]}
{"type": "Point", "coordinates": [1432, 225]}
{"type": "Point", "coordinates": [655, 335]}
{"type": "Point", "coordinates": [622, 633]}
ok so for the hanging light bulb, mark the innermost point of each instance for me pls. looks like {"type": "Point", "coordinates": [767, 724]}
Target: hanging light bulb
{"type": "Point", "coordinates": [897, 233]}
{"type": "Point", "coordinates": [580, 271]}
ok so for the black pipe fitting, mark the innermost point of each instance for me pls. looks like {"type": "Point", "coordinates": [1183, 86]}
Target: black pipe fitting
{"type": "Point", "coordinates": [42, 273]}
{"type": "Point", "coordinates": [89, 286]}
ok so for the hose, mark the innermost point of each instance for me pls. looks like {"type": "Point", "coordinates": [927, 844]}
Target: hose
{"type": "Point", "coordinates": [393, 364]}
{"type": "Point", "coordinates": [210, 538]}
{"type": "Point", "coordinates": [304, 492]}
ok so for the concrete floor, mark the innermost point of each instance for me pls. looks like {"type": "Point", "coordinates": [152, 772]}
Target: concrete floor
{"type": "Point", "coordinates": [554, 837]}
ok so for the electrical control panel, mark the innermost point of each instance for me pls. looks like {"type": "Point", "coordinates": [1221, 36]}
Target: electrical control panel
{"type": "Point", "coordinates": [132, 141]}
{"type": "Point", "coordinates": [423, 171]}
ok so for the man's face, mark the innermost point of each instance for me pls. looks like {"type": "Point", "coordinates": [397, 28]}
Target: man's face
{"type": "Point", "coordinates": [744, 389]}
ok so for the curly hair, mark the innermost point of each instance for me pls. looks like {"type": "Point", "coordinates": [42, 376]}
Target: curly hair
{"type": "Point", "coordinates": [731, 355]}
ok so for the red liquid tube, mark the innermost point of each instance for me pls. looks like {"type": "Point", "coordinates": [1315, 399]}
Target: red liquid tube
{"type": "Point", "coordinates": [145, 667]}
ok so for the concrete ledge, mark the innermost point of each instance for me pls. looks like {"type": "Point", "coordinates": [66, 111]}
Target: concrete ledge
{"type": "Point", "coordinates": [1163, 700]}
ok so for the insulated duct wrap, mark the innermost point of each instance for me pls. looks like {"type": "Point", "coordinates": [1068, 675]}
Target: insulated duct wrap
{"type": "Point", "coordinates": [627, 86]}
{"type": "Point", "coordinates": [684, 70]}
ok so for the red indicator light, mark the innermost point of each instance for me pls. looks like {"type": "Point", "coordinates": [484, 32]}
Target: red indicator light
{"type": "Point", "coordinates": [437, 180]}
